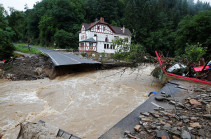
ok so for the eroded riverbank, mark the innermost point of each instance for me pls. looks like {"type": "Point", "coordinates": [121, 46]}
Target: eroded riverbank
{"type": "Point", "coordinates": [84, 104]}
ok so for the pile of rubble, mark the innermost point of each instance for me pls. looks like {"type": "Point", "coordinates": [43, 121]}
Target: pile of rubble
{"type": "Point", "coordinates": [26, 68]}
{"type": "Point", "coordinates": [190, 119]}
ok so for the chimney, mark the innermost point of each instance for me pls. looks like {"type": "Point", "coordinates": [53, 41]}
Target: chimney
{"type": "Point", "coordinates": [101, 19]}
{"type": "Point", "coordinates": [123, 29]}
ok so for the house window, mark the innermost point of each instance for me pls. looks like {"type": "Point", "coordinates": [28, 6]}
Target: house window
{"type": "Point", "coordinates": [116, 37]}
{"type": "Point", "coordinates": [103, 28]}
{"type": "Point", "coordinates": [107, 46]}
{"type": "Point", "coordinates": [82, 44]}
{"type": "Point", "coordinates": [106, 39]}
{"type": "Point", "coordinates": [104, 46]}
{"type": "Point", "coordinates": [113, 47]}
{"type": "Point", "coordinates": [90, 45]}
{"type": "Point", "coordinates": [95, 35]}
{"type": "Point", "coordinates": [98, 27]}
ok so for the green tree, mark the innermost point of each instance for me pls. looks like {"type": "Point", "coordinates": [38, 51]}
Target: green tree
{"type": "Point", "coordinates": [193, 30]}
{"type": "Point", "coordinates": [63, 39]}
{"type": "Point", "coordinates": [6, 48]}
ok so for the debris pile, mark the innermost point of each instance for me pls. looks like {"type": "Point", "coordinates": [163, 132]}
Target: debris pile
{"type": "Point", "coordinates": [42, 130]}
{"type": "Point", "coordinates": [26, 68]}
{"type": "Point", "coordinates": [190, 119]}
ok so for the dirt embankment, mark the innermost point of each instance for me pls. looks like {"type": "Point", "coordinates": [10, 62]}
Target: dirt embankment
{"type": "Point", "coordinates": [31, 67]}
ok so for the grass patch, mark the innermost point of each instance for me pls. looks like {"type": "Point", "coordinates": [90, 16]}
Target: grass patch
{"type": "Point", "coordinates": [25, 49]}
{"type": "Point", "coordinates": [50, 47]}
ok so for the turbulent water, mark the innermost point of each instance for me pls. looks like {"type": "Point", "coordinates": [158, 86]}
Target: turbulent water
{"type": "Point", "coordinates": [84, 104]}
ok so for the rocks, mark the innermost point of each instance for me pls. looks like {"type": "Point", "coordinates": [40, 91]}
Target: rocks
{"type": "Point", "coordinates": [190, 119]}
{"type": "Point", "coordinates": [185, 135]}
{"type": "Point", "coordinates": [196, 125]}
{"type": "Point", "coordinates": [193, 119]}
{"type": "Point", "coordinates": [39, 71]}
{"type": "Point", "coordinates": [208, 116]}
{"type": "Point", "coordinates": [208, 108]}
{"type": "Point", "coordinates": [146, 120]}
{"type": "Point", "coordinates": [194, 102]}
{"type": "Point", "coordinates": [145, 113]}
{"type": "Point", "coordinates": [137, 128]}
{"type": "Point", "coordinates": [175, 137]}
{"type": "Point", "coordinates": [162, 134]}
{"type": "Point", "coordinates": [201, 132]}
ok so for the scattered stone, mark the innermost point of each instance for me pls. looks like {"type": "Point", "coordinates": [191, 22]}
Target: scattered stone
{"type": "Point", "coordinates": [201, 132]}
{"type": "Point", "coordinates": [175, 137]}
{"type": "Point", "coordinates": [167, 125]}
{"type": "Point", "coordinates": [162, 122]}
{"type": "Point", "coordinates": [154, 114]}
{"type": "Point", "coordinates": [162, 134]}
{"type": "Point", "coordinates": [170, 114]}
{"type": "Point", "coordinates": [141, 116]}
{"type": "Point", "coordinates": [137, 128]}
{"type": "Point", "coordinates": [194, 102]}
{"type": "Point", "coordinates": [179, 124]}
{"type": "Point", "coordinates": [190, 128]}
{"type": "Point", "coordinates": [160, 98]}
{"type": "Point", "coordinates": [189, 120]}
{"type": "Point", "coordinates": [194, 119]}
{"type": "Point", "coordinates": [196, 125]}
{"type": "Point", "coordinates": [208, 108]}
{"type": "Point", "coordinates": [208, 116]}
{"type": "Point", "coordinates": [185, 135]}
{"type": "Point", "coordinates": [126, 132]}
{"type": "Point", "coordinates": [146, 120]}
{"type": "Point", "coordinates": [185, 120]}
{"type": "Point", "coordinates": [172, 102]}
{"type": "Point", "coordinates": [145, 113]}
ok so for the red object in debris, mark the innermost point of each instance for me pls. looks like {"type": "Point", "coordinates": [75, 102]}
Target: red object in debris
{"type": "Point", "coordinates": [4, 60]}
{"type": "Point", "coordinates": [197, 69]}
{"type": "Point", "coordinates": [183, 77]}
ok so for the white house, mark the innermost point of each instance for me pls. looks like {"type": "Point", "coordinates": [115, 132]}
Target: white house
{"type": "Point", "coordinates": [97, 37]}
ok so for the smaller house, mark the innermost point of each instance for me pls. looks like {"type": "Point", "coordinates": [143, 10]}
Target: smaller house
{"type": "Point", "coordinates": [97, 37]}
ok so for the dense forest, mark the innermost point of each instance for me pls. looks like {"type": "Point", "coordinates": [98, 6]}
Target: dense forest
{"type": "Point", "coordinates": [165, 25]}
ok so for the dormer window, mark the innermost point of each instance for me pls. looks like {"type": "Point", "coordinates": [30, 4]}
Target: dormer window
{"type": "Point", "coordinates": [106, 39]}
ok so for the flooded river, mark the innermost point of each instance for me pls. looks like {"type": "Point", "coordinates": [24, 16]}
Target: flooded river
{"type": "Point", "coordinates": [84, 104]}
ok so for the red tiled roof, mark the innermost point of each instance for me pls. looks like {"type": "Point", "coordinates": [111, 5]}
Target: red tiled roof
{"type": "Point", "coordinates": [117, 30]}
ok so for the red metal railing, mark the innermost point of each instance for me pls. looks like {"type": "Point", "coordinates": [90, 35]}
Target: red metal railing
{"type": "Point", "coordinates": [183, 77]}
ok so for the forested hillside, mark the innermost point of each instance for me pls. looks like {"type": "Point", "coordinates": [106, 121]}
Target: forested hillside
{"type": "Point", "coordinates": [165, 25]}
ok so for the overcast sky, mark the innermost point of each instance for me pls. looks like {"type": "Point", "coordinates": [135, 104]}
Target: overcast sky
{"type": "Point", "coordinates": [19, 4]}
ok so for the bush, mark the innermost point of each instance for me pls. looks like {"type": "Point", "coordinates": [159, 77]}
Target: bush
{"type": "Point", "coordinates": [194, 52]}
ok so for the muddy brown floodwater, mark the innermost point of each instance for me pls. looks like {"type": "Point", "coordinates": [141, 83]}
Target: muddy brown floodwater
{"type": "Point", "coordinates": [84, 104]}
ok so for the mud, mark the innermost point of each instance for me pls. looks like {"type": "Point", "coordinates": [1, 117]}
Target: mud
{"type": "Point", "coordinates": [83, 104]}
{"type": "Point", "coordinates": [31, 67]}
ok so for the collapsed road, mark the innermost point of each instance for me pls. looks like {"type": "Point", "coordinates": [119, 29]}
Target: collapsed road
{"type": "Point", "coordinates": [64, 59]}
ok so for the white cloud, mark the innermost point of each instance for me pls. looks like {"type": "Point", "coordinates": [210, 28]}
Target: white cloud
{"type": "Point", "coordinates": [203, 1]}
{"type": "Point", "coordinates": [18, 4]}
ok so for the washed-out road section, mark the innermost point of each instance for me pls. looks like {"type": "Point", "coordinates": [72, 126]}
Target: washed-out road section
{"type": "Point", "coordinates": [63, 58]}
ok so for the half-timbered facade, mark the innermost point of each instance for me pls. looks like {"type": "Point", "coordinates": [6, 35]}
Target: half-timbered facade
{"type": "Point", "coordinates": [98, 36]}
